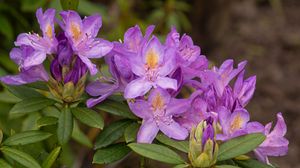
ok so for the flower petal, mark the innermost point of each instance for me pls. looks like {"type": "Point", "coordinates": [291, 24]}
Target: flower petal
{"type": "Point", "coordinates": [280, 127]}
{"type": "Point", "coordinates": [178, 106]}
{"type": "Point", "coordinates": [91, 25]}
{"type": "Point", "coordinates": [94, 101]}
{"type": "Point", "coordinates": [172, 129]}
{"type": "Point", "coordinates": [35, 58]}
{"type": "Point", "coordinates": [137, 87]}
{"type": "Point", "coordinates": [92, 67]}
{"type": "Point", "coordinates": [166, 83]}
{"type": "Point", "coordinates": [98, 88]}
{"type": "Point", "coordinates": [140, 108]}
{"type": "Point", "coordinates": [96, 49]}
{"type": "Point", "coordinates": [147, 132]}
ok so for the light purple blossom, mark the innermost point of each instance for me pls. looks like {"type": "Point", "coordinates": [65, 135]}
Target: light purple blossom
{"type": "Point", "coordinates": [151, 65]}
{"type": "Point", "coordinates": [26, 75]}
{"type": "Point", "coordinates": [275, 143]}
{"type": "Point", "coordinates": [233, 123]}
{"type": "Point", "coordinates": [82, 36]}
{"type": "Point", "coordinates": [157, 113]}
{"type": "Point", "coordinates": [42, 45]}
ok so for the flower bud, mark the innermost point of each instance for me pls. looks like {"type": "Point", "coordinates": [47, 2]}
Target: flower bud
{"type": "Point", "coordinates": [203, 149]}
{"type": "Point", "coordinates": [68, 73]}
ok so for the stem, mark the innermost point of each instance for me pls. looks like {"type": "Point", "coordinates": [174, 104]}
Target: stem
{"type": "Point", "coordinates": [142, 162]}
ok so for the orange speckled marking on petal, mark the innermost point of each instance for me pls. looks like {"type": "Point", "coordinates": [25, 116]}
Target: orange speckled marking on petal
{"type": "Point", "coordinates": [158, 102]}
{"type": "Point", "coordinates": [152, 59]}
{"type": "Point", "coordinates": [75, 29]}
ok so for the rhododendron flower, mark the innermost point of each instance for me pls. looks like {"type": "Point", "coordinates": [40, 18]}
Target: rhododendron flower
{"type": "Point", "coordinates": [41, 45]}
{"type": "Point", "coordinates": [275, 143]}
{"type": "Point", "coordinates": [187, 54]}
{"type": "Point", "coordinates": [233, 123]}
{"type": "Point", "coordinates": [157, 114]}
{"type": "Point", "coordinates": [82, 36]}
{"type": "Point", "coordinates": [26, 75]}
{"type": "Point", "coordinates": [151, 65]}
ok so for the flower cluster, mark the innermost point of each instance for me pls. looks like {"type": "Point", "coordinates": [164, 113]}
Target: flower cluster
{"type": "Point", "coordinates": [151, 75]}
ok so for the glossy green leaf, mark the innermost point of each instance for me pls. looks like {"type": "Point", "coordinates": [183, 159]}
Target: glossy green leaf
{"type": "Point", "coordinates": [23, 92]}
{"type": "Point", "coordinates": [38, 85]}
{"type": "Point", "coordinates": [116, 108]}
{"type": "Point", "coordinates": [157, 152]}
{"type": "Point", "coordinates": [20, 157]}
{"type": "Point", "coordinates": [181, 166]}
{"type": "Point", "coordinates": [88, 117]}
{"type": "Point", "coordinates": [131, 132]}
{"type": "Point", "coordinates": [111, 133]}
{"type": "Point", "coordinates": [26, 137]}
{"type": "Point", "coordinates": [65, 126]}
{"type": "Point", "coordinates": [47, 120]}
{"type": "Point", "coordinates": [251, 163]}
{"type": "Point", "coordinates": [51, 158]}
{"type": "Point", "coordinates": [180, 145]}
{"type": "Point", "coordinates": [80, 137]}
{"type": "Point", "coordinates": [4, 164]}
{"type": "Point", "coordinates": [240, 145]}
{"type": "Point", "coordinates": [8, 97]}
{"type": "Point", "coordinates": [111, 153]}
{"type": "Point", "coordinates": [30, 105]}
{"type": "Point", "coordinates": [69, 4]}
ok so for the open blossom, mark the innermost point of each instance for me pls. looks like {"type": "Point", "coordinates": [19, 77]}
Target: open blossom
{"type": "Point", "coordinates": [26, 75]}
{"type": "Point", "coordinates": [188, 55]}
{"type": "Point", "coordinates": [151, 65]}
{"type": "Point", "coordinates": [233, 123]}
{"type": "Point", "coordinates": [275, 143]}
{"type": "Point", "coordinates": [82, 36]}
{"type": "Point", "coordinates": [42, 45]}
{"type": "Point", "coordinates": [157, 114]}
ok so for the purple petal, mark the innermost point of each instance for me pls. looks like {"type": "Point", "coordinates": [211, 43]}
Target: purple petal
{"type": "Point", "coordinates": [172, 129]}
{"type": "Point", "coordinates": [280, 127]}
{"type": "Point", "coordinates": [16, 55]}
{"type": "Point", "coordinates": [137, 87]}
{"type": "Point", "coordinates": [96, 49]}
{"type": "Point", "coordinates": [98, 88]}
{"type": "Point", "coordinates": [46, 21]}
{"type": "Point", "coordinates": [177, 106]}
{"type": "Point", "coordinates": [159, 94]}
{"type": "Point", "coordinates": [94, 101]}
{"type": "Point", "coordinates": [173, 38]}
{"type": "Point", "coordinates": [169, 62]}
{"type": "Point", "coordinates": [133, 38]}
{"type": "Point", "coordinates": [153, 53]}
{"type": "Point", "coordinates": [36, 58]}
{"type": "Point", "coordinates": [92, 67]}
{"type": "Point", "coordinates": [140, 108]}
{"type": "Point", "coordinates": [239, 119]}
{"type": "Point", "coordinates": [147, 132]}
{"type": "Point", "coordinates": [255, 127]}
{"type": "Point", "coordinates": [261, 157]}
{"type": "Point", "coordinates": [91, 25]}
{"type": "Point", "coordinates": [166, 83]}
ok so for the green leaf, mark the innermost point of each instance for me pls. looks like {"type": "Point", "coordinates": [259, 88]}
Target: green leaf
{"type": "Point", "coordinates": [80, 137]}
{"type": "Point", "coordinates": [226, 166]}
{"type": "Point", "coordinates": [157, 152]}
{"type": "Point", "coordinates": [181, 166]}
{"type": "Point", "coordinates": [23, 92]}
{"type": "Point", "coordinates": [47, 120]}
{"type": "Point", "coordinates": [30, 105]}
{"type": "Point", "coordinates": [26, 137]}
{"type": "Point", "coordinates": [4, 164]}
{"type": "Point", "coordinates": [49, 161]}
{"type": "Point", "coordinates": [240, 145]}
{"type": "Point", "coordinates": [180, 145]}
{"type": "Point", "coordinates": [8, 97]}
{"type": "Point", "coordinates": [6, 28]}
{"type": "Point", "coordinates": [131, 132]}
{"type": "Point", "coordinates": [116, 108]}
{"type": "Point", "coordinates": [38, 85]}
{"type": "Point", "coordinates": [111, 153]}
{"type": "Point", "coordinates": [65, 126]}
{"type": "Point", "coordinates": [69, 4]}
{"type": "Point", "coordinates": [251, 163]}
{"type": "Point", "coordinates": [111, 133]}
{"type": "Point", "coordinates": [20, 157]}
{"type": "Point", "coordinates": [1, 136]}
{"type": "Point", "coordinates": [88, 117]}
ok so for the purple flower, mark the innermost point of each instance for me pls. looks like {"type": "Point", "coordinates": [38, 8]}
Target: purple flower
{"type": "Point", "coordinates": [187, 54]}
{"type": "Point", "coordinates": [41, 45]}
{"type": "Point", "coordinates": [82, 36]}
{"type": "Point", "coordinates": [220, 77]}
{"type": "Point", "coordinates": [275, 143]}
{"type": "Point", "coordinates": [157, 114]}
{"type": "Point", "coordinates": [26, 75]}
{"type": "Point", "coordinates": [151, 65]}
{"type": "Point", "coordinates": [233, 123]}
{"type": "Point", "coordinates": [244, 89]}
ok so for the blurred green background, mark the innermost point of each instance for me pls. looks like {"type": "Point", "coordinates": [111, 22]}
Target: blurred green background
{"type": "Point", "coordinates": [264, 32]}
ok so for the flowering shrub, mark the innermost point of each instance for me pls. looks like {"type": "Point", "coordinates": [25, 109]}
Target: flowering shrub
{"type": "Point", "coordinates": [171, 91]}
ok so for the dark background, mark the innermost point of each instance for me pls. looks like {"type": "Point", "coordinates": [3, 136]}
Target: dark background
{"type": "Point", "coordinates": [264, 32]}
